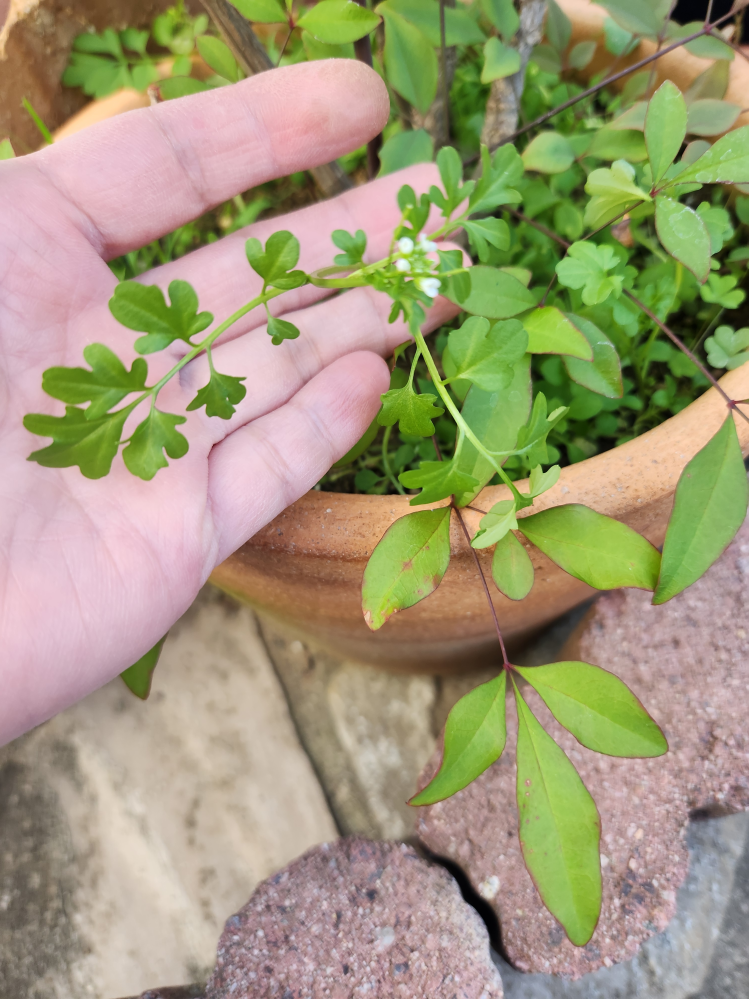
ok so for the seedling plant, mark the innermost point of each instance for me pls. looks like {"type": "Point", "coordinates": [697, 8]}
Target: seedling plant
{"type": "Point", "coordinates": [569, 327]}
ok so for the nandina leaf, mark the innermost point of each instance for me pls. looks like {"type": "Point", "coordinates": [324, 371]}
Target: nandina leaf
{"type": "Point", "coordinates": [725, 162]}
{"type": "Point", "coordinates": [665, 127]}
{"type": "Point", "coordinates": [684, 235]}
{"type": "Point", "coordinates": [549, 152]}
{"type": "Point", "coordinates": [337, 22]}
{"type": "Point", "coordinates": [604, 373]}
{"type": "Point", "coordinates": [559, 829]}
{"type": "Point", "coordinates": [512, 569]}
{"type": "Point", "coordinates": [495, 524]}
{"type": "Point", "coordinates": [495, 294]}
{"type": "Point", "coordinates": [550, 331]}
{"type": "Point", "coordinates": [600, 551]}
{"type": "Point", "coordinates": [138, 676]}
{"type": "Point", "coordinates": [410, 61]}
{"type": "Point", "coordinates": [600, 711]}
{"type": "Point", "coordinates": [407, 564]}
{"type": "Point", "coordinates": [709, 508]}
{"type": "Point", "coordinates": [475, 734]}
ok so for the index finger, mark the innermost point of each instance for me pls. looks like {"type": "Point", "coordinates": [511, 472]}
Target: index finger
{"type": "Point", "coordinates": [135, 177]}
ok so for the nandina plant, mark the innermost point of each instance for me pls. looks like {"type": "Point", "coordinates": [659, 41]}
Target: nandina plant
{"type": "Point", "coordinates": [482, 382]}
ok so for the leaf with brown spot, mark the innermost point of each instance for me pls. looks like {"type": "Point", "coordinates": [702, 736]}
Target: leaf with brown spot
{"type": "Point", "coordinates": [407, 564]}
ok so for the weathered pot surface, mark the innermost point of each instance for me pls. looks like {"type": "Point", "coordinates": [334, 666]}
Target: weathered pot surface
{"type": "Point", "coordinates": [306, 566]}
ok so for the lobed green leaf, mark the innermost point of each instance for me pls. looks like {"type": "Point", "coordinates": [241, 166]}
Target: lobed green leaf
{"type": "Point", "coordinates": [220, 395]}
{"type": "Point", "coordinates": [106, 384]}
{"type": "Point", "coordinates": [665, 127]}
{"type": "Point", "coordinates": [144, 454]}
{"type": "Point", "coordinates": [437, 480]}
{"type": "Point", "coordinates": [486, 355]}
{"type": "Point", "coordinates": [143, 308]}
{"type": "Point", "coordinates": [411, 411]}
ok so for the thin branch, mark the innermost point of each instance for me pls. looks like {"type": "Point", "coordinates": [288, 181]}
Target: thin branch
{"type": "Point", "coordinates": [283, 47]}
{"type": "Point", "coordinates": [705, 30]}
{"type": "Point", "coordinates": [709, 13]}
{"type": "Point", "coordinates": [661, 39]}
{"type": "Point", "coordinates": [505, 660]}
{"type": "Point", "coordinates": [684, 349]}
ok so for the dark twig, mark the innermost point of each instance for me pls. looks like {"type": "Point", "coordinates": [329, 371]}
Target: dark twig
{"type": "Point", "coordinates": [505, 660]}
{"type": "Point", "coordinates": [363, 52]}
{"type": "Point", "coordinates": [705, 30]}
{"type": "Point", "coordinates": [283, 47]}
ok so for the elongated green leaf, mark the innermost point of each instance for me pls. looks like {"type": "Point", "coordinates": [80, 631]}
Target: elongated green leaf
{"type": "Point", "coordinates": [550, 331]}
{"type": "Point", "coordinates": [337, 22]}
{"type": "Point", "coordinates": [706, 47]}
{"type": "Point", "coordinates": [499, 175]}
{"type": "Point", "coordinates": [143, 308]}
{"type": "Point", "coordinates": [559, 829]}
{"type": "Point", "coordinates": [494, 293]}
{"type": "Point", "coordinates": [475, 735]}
{"type": "Point", "coordinates": [104, 386]}
{"type": "Point", "coordinates": [410, 60]}
{"type": "Point", "coordinates": [558, 26]}
{"type": "Point", "coordinates": [665, 127]}
{"type": "Point", "coordinates": [601, 712]}
{"type": "Point", "coordinates": [138, 676]}
{"type": "Point", "coordinates": [437, 480]}
{"type": "Point", "coordinates": [405, 149]}
{"type": "Point", "coordinates": [487, 355]}
{"type": "Point", "coordinates": [218, 56]}
{"type": "Point", "coordinates": [460, 27]}
{"type": "Point", "coordinates": [181, 86]}
{"type": "Point", "coordinates": [596, 549]}
{"type": "Point", "coordinates": [603, 374]}
{"type": "Point", "coordinates": [709, 508]}
{"type": "Point", "coordinates": [711, 117]}
{"type": "Point", "coordinates": [512, 569]}
{"type": "Point", "coordinates": [549, 152]}
{"type": "Point", "coordinates": [683, 233]}
{"type": "Point", "coordinates": [6, 150]}
{"type": "Point", "coordinates": [89, 444]}
{"type": "Point", "coordinates": [532, 437]}
{"type": "Point", "coordinates": [615, 143]}
{"type": "Point", "coordinates": [485, 231]}
{"type": "Point", "coordinates": [594, 269]}
{"type": "Point", "coordinates": [502, 15]}
{"type": "Point", "coordinates": [261, 11]}
{"type": "Point", "coordinates": [725, 162]}
{"type": "Point", "coordinates": [495, 418]}
{"type": "Point", "coordinates": [144, 455]}
{"type": "Point", "coordinates": [407, 564]}
{"type": "Point", "coordinates": [500, 60]}
{"type": "Point", "coordinates": [641, 17]}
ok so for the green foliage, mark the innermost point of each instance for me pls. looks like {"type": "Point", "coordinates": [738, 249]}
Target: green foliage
{"type": "Point", "coordinates": [641, 17]}
{"type": "Point", "coordinates": [407, 564]}
{"type": "Point", "coordinates": [410, 61]}
{"type": "Point", "coordinates": [613, 190]}
{"type": "Point", "coordinates": [404, 149]}
{"type": "Point", "coordinates": [550, 331]}
{"type": "Point", "coordinates": [218, 56]}
{"type": "Point", "coordinates": [593, 269]}
{"type": "Point", "coordinates": [500, 60]}
{"type": "Point", "coordinates": [602, 373]}
{"type": "Point", "coordinates": [709, 507]}
{"type": "Point", "coordinates": [353, 246]}
{"type": "Point", "coordinates": [711, 117]}
{"type": "Point", "coordinates": [559, 829]}
{"type": "Point", "coordinates": [412, 411]}
{"type": "Point", "coordinates": [725, 162]}
{"type": "Point", "coordinates": [601, 712]}
{"type": "Point", "coordinates": [101, 64]}
{"type": "Point", "coordinates": [89, 444]}
{"type": "Point", "coordinates": [144, 453]}
{"type": "Point", "coordinates": [276, 263]}
{"type": "Point", "coordinates": [728, 349]}
{"type": "Point", "coordinates": [684, 234]}
{"type": "Point", "coordinates": [261, 11]}
{"type": "Point", "coordinates": [144, 309]}
{"type": "Point", "coordinates": [219, 396]}
{"type": "Point", "coordinates": [549, 152]}
{"type": "Point", "coordinates": [104, 386]}
{"type": "Point", "coordinates": [338, 21]}
{"type": "Point", "coordinates": [138, 677]}
{"type": "Point", "coordinates": [494, 294]}
{"type": "Point", "coordinates": [512, 569]}
{"type": "Point", "coordinates": [486, 355]}
{"type": "Point", "coordinates": [6, 150]}
{"type": "Point", "coordinates": [437, 480]}
{"type": "Point", "coordinates": [496, 524]}
{"type": "Point", "coordinates": [600, 551]}
{"type": "Point", "coordinates": [475, 734]}
{"type": "Point", "coordinates": [665, 128]}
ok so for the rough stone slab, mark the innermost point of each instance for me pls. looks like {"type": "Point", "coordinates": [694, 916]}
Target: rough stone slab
{"type": "Point", "coordinates": [368, 732]}
{"type": "Point", "coordinates": [351, 919]}
{"type": "Point", "coordinates": [687, 662]}
{"type": "Point", "coordinates": [130, 830]}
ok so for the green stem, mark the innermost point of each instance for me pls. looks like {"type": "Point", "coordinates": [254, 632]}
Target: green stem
{"type": "Point", "coordinates": [457, 416]}
{"type": "Point", "coordinates": [386, 461]}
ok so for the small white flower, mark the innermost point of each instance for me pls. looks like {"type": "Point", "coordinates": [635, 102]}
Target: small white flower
{"type": "Point", "coordinates": [402, 265]}
{"type": "Point", "coordinates": [429, 285]}
{"type": "Point", "coordinates": [426, 244]}
{"type": "Point", "coordinates": [406, 245]}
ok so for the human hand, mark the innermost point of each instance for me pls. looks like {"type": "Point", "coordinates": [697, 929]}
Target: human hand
{"type": "Point", "coordinates": [95, 572]}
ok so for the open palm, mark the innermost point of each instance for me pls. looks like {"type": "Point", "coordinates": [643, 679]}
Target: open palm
{"type": "Point", "coordinates": [93, 573]}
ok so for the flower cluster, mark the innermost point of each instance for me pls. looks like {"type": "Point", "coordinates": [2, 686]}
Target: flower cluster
{"type": "Point", "coordinates": [412, 259]}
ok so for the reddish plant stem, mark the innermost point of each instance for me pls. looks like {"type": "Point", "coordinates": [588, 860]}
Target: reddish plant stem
{"type": "Point", "coordinates": [505, 660]}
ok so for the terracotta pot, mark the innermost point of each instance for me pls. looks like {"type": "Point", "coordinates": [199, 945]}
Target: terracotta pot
{"type": "Point", "coordinates": [306, 566]}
